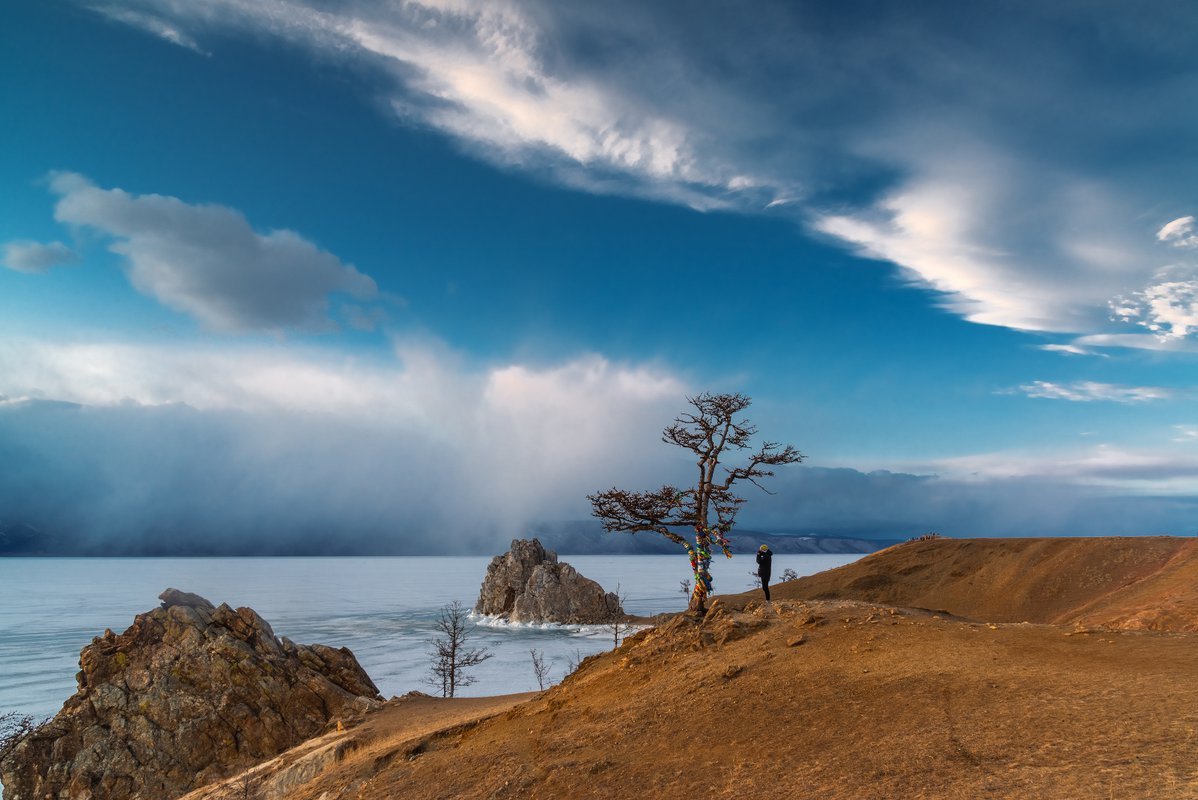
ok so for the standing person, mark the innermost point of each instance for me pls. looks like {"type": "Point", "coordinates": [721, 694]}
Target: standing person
{"type": "Point", "coordinates": [765, 562]}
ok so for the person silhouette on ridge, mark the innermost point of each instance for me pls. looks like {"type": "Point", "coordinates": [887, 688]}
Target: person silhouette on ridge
{"type": "Point", "coordinates": [765, 562]}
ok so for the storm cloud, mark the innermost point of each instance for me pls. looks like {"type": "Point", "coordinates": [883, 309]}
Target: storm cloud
{"type": "Point", "coordinates": [112, 449]}
{"type": "Point", "coordinates": [199, 451]}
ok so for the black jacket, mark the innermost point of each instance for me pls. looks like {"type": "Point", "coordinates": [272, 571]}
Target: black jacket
{"type": "Point", "coordinates": [765, 562]}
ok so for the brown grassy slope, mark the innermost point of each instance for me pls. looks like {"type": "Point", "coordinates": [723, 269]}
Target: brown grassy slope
{"type": "Point", "coordinates": [826, 699]}
{"type": "Point", "coordinates": [401, 721]}
{"type": "Point", "coordinates": [1122, 582]}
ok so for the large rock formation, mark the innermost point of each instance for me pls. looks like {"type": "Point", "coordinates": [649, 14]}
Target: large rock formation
{"type": "Point", "coordinates": [188, 694]}
{"type": "Point", "coordinates": [528, 584]}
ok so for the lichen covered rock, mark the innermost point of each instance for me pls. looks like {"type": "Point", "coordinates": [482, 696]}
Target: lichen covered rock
{"type": "Point", "coordinates": [529, 584]}
{"type": "Point", "coordinates": [190, 693]}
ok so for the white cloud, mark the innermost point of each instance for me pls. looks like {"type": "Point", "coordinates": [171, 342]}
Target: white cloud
{"type": "Point", "coordinates": [1186, 433]}
{"type": "Point", "coordinates": [1072, 349]}
{"type": "Point", "coordinates": [27, 256]}
{"type": "Point", "coordinates": [1181, 232]}
{"type": "Point", "coordinates": [1168, 307]}
{"type": "Point", "coordinates": [479, 72]}
{"type": "Point", "coordinates": [1001, 243]}
{"type": "Point", "coordinates": [150, 24]}
{"type": "Point", "coordinates": [206, 261]}
{"type": "Point", "coordinates": [1137, 341]}
{"type": "Point", "coordinates": [1138, 470]}
{"type": "Point", "coordinates": [1091, 391]}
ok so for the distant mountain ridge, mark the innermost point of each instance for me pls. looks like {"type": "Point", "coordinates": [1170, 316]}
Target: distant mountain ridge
{"type": "Point", "coordinates": [576, 537]}
{"type": "Point", "coordinates": [584, 537]}
{"type": "Point", "coordinates": [21, 539]}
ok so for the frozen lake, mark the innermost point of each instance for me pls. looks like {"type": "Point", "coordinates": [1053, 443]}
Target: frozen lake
{"type": "Point", "coordinates": [383, 609]}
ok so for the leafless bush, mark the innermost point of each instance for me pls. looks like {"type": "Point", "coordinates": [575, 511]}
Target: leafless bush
{"type": "Point", "coordinates": [789, 574]}
{"type": "Point", "coordinates": [451, 657]}
{"type": "Point", "coordinates": [243, 786]}
{"type": "Point", "coordinates": [617, 620]}
{"type": "Point", "coordinates": [539, 667]}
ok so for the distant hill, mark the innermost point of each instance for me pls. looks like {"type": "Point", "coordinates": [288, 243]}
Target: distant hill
{"type": "Point", "coordinates": [581, 537]}
{"type": "Point", "coordinates": [1148, 582]}
{"type": "Point", "coordinates": [588, 538]}
{"type": "Point", "coordinates": [20, 539]}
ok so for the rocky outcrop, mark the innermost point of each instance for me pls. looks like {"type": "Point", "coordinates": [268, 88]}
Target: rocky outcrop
{"type": "Point", "coordinates": [190, 693]}
{"type": "Point", "coordinates": [528, 584]}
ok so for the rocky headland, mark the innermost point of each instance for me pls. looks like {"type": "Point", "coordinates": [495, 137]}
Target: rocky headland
{"type": "Point", "coordinates": [189, 694]}
{"type": "Point", "coordinates": [529, 584]}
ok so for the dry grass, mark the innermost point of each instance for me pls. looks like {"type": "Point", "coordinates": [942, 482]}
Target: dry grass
{"type": "Point", "coordinates": [845, 699]}
{"type": "Point", "coordinates": [870, 705]}
{"type": "Point", "coordinates": [1148, 583]}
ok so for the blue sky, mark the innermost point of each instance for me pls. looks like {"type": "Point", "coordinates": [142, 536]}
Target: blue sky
{"type": "Point", "coordinates": [396, 269]}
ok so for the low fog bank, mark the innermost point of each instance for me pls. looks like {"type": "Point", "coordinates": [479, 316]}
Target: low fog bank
{"type": "Point", "coordinates": [174, 480]}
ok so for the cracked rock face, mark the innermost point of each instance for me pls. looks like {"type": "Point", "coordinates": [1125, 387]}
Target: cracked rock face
{"type": "Point", "coordinates": [528, 584]}
{"type": "Point", "coordinates": [188, 694]}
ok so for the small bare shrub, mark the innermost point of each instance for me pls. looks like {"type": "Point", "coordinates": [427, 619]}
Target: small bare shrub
{"type": "Point", "coordinates": [617, 620]}
{"type": "Point", "coordinates": [539, 667]}
{"type": "Point", "coordinates": [451, 657]}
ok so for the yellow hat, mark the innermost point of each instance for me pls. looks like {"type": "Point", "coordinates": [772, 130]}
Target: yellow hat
{"type": "Point", "coordinates": [764, 547]}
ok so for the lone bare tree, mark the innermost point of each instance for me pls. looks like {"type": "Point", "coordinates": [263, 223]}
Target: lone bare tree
{"type": "Point", "coordinates": [617, 621]}
{"type": "Point", "coordinates": [539, 667]}
{"type": "Point", "coordinates": [451, 657]}
{"type": "Point", "coordinates": [712, 431]}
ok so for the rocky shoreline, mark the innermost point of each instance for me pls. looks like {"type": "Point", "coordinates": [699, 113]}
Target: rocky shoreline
{"type": "Point", "coordinates": [189, 694]}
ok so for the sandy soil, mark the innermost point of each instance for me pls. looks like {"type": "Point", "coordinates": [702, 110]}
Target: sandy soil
{"type": "Point", "coordinates": [835, 699]}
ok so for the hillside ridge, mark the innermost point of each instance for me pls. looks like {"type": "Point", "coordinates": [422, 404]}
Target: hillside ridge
{"type": "Point", "coordinates": [1135, 583]}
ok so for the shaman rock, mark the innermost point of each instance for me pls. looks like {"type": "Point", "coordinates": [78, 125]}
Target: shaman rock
{"type": "Point", "coordinates": [190, 693]}
{"type": "Point", "coordinates": [528, 584]}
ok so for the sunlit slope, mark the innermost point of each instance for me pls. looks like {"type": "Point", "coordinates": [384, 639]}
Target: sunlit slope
{"type": "Point", "coordinates": [834, 700]}
{"type": "Point", "coordinates": [1123, 582]}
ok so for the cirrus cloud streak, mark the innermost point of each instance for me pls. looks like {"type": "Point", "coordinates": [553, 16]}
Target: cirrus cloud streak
{"type": "Point", "coordinates": [913, 139]}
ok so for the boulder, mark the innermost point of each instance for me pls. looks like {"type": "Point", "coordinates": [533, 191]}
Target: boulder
{"type": "Point", "coordinates": [189, 694]}
{"type": "Point", "coordinates": [529, 584]}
